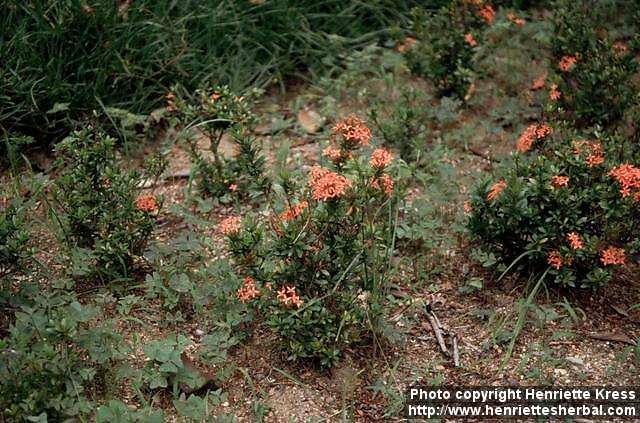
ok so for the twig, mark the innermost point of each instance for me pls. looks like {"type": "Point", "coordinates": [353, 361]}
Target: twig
{"type": "Point", "coordinates": [456, 353]}
{"type": "Point", "coordinates": [436, 329]}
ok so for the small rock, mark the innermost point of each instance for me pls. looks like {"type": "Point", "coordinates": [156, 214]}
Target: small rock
{"type": "Point", "coordinates": [310, 121]}
{"type": "Point", "coordinates": [199, 332]}
{"type": "Point", "coordinates": [577, 361]}
{"type": "Point", "coordinates": [560, 372]}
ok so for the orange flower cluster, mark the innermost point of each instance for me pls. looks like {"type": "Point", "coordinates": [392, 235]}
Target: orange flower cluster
{"type": "Point", "coordinates": [333, 153]}
{"type": "Point", "coordinates": [233, 187]}
{"type": "Point", "coordinates": [532, 133]}
{"type": "Point", "coordinates": [470, 40]}
{"type": "Point", "coordinates": [567, 63]}
{"type": "Point", "coordinates": [230, 225]}
{"type": "Point", "coordinates": [554, 259]}
{"type": "Point", "coordinates": [147, 204]}
{"type": "Point", "coordinates": [487, 14]}
{"type": "Point", "coordinates": [287, 296]}
{"type": "Point", "coordinates": [406, 45]}
{"type": "Point", "coordinates": [327, 184]}
{"type": "Point", "coordinates": [620, 48]}
{"type": "Point", "coordinates": [554, 94]}
{"type": "Point", "coordinates": [380, 158]}
{"type": "Point", "coordinates": [353, 130]}
{"type": "Point", "coordinates": [575, 241]}
{"type": "Point", "coordinates": [559, 181]}
{"type": "Point", "coordinates": [539, 82]}
{"type": "Point", "coordinates": [496, 189]}
{"type": "Point", "coordinates": [248, 291]}
{"type": "Point", "coordinates": [515, 19]}
{"type": "Point", "coordinates": [294, 212]}
{"type": "Point", "coordinates": [383, 183]}
{"type": "Point", "coordinates": [628, 176]}
{"type": "Point", "coordinates": [171, 102]}
{"type": "Point", "coordinates": [595, 150]}
{"type": "Point", "coordinates": [467, 207]}
{"type": "Point", "coordinates": [613, 256]}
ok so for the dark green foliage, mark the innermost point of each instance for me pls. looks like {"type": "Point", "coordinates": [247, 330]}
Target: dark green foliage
{"type": "Point", "coordinates": [95, 199]}
{"type": "Point", "coordinates": [598, 89]}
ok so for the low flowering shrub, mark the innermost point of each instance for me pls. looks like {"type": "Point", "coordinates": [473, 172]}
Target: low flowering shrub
{"type": "Point", "coordinates": [316, 266]}
{"type": "Point", "coordinates": [217, 113]}
{"type": "Point", "coordinates": [568, 203]}
{"type": "Point", "coordinates": [103, 216]}
{"type": "Point", "coordinates": [593, 71]}
{"type": "Point", "coordinates": [445, 44]}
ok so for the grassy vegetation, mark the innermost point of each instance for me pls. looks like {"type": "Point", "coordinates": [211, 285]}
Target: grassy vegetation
{"type": "Point", "coordinates": [61, 59]}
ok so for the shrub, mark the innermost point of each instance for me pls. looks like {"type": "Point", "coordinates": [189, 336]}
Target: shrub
{"type": "Point", "coordinates": [217, 113]}
{"type": "Point", "coordinates": [444, 46]}
{"type": "Point", "coordinates": [569, 203]}
{"type": "Point", "coordinates": [14, 236]}
{"type": "Point", "coordinates": [105, 222]}
{"type": "Point", "coordinates": [318, 269]}
{"type": "Point", "coordinates": [593, 70]}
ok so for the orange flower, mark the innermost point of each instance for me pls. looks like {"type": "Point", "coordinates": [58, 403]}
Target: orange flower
{"type": "Point", "coordinates": [628, 176]}
{"type": "Point", "coordinates": [294, 212]}
{"type": "Point", "coordinates": [533, 132]}
{"type": "Point", "coordinates": [539, 82]}
{"type": "Point", "coordinates": [554, 259]}
{"type": "Point", "coordinates": [383, 183]}
{"type": "Point", "coordinates": [147, 204]}
{"type": "Point", "coordinates": [171, 105]}
{"type": "Point", "coordinates": [287, 296]}
{"type": "Point", "coordinates": [567, 63]}
{"type": "Point", "coordinates": [406, 45]}
{"type": "Point", "coordinates": [496, 189]}
{"type": "Point", "coordinates": [353, 130]}
{"type": "Point", "coordinates": [559, 181]}
{"type": "Point", "coordinates": [248, 291]}
{"type": "Point", "coordinates": [230, 225]}
{"type": "Point", "coordinates": [327, 184]}
{"type": "Point", "coordinates": [613, 256]}
{"type": "Point", "coordinates": [233, 187]}
{"type": "Point", "coordinates": [467, 207]}
{"type": "Point", "coordinates": [487, 14]}
{"type": "Point", "coordinates": [575, 241]}
{"type": "Point", "coordinates": [380, 158]}
{"type": "Point", "coordinates": [554, 94]}
{"type": "Point", "coordinates": [516, 20]}
{"type": "Point", "coordinates": [596, 153]}
{"type": "Point", "coordinates": [332, 153]}
{"type": "Point", "coordinates": [470, 40]}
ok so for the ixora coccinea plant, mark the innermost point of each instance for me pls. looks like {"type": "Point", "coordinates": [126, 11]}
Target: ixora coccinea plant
{"type": "Point", "coordinates": [104, 219]}
{"type": "Point", "coordinates": [572, 204]}
{"type": "Point", "coordinates": [317, 264]}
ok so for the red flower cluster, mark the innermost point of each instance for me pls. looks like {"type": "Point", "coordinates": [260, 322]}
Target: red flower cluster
{"type": "Point", "coordinates": [333, 153]}
{"type": "Point", "coordinates": [487, 14]}
{"type": "Point", "coordinates": [470, 40]}
{"type": "Point", "coordinates": [575, 241]}
{"type": "Point", "coordinates": [248, 290]}
{"type": "Point", "coordinates": [539, 82]}
{"type": "Point", "coordinates": [287, 296]}
{"type": "Point", "coordinates": [613, 256]}
{"type": "Point", "coordinates": [353, 130]}
{"type": "Point", "coordinates": [327, 184]}
{"type": "Point", "coordinates": [496, 189]}
{"type": "Point", "coordinates": [554, 94]}
{"type": "Point", "coordinates": [537, 131]}
{"type": "Point", "coordinates": [559, 181]}
{"type": "Point", "coordinates": [628, 176]}
{"type": "Point", "coordinates": [380, 158]}
{"type": "Point", "coordinates": [230, 225]}
{"type": "Point", "coordinates": [294, 212]}
{"type": "Point", "coordinates": [567, 63]}
{"type": "Point", "coordinates": [383, 183]}
{"type": "Point", "coordinates": [147, 204]}
{"type": "Point", "coordinates": [595, 150]}
{"type": "Point", "coordinates": [554, 259]}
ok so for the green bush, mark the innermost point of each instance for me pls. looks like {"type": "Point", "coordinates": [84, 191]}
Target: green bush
{"type": "Point", "coordinates": [445, 41]}
{"type": "Point", "coordinates": [214, 114]}
{"type": "Point", "coordinates": [318, 269]}
{"type": "Point", "coordinates": [563, 204]}
{"type": "Point", "coordinates": [594, 69]}
{"type": "Point", "coordinates": [63, 58]}
{"type": "Point", "coordinates": [105, 223]}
